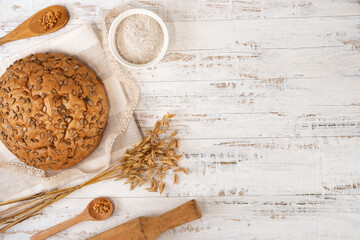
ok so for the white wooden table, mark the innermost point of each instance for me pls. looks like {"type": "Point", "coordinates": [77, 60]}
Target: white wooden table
{"type": "Point", "coordinates": [267, 99]}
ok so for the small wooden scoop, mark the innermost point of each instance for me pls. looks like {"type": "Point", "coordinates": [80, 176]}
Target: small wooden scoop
{"type": "Point", "coordinates": [89, 214]}
{"type": "Point", "coordinates": [31, 27]}
{"type": "Point", "coordinates": [149, 228]}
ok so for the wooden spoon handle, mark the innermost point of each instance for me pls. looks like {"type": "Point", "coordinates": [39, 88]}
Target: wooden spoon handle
{"type": "Point", "coordinates": [4, 39]}
{"type": "Point", "coordinates": [61, 226]}
{"type": "Point", "coordinates": [20, 32]}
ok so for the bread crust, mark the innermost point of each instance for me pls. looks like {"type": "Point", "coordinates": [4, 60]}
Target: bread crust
{"type": "Point", "coordinates": [53, 110]}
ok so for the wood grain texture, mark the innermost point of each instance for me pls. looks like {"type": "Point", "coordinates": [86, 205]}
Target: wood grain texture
{"type": "Point", "coordinates": [256, 9]}
{"type": "Point", "coordinates": [266, 94]}
{"type": "Point", "coordinates": [257, 166]}
{"type": "Point", "coordinates": [282, 217]}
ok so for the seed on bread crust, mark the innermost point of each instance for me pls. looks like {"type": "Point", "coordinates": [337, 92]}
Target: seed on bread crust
{"type": "Point", "coordinates": [44, 110]}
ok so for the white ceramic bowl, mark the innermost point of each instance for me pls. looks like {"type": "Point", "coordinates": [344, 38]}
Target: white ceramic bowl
{"type": "Point", "coordinates": [112, 37]}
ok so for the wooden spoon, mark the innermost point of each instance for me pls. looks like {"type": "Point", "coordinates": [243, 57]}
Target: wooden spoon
{"type": "Point", "coordinates": [31, 27]}
{"type": "Point", "coordinates": [89, 214]}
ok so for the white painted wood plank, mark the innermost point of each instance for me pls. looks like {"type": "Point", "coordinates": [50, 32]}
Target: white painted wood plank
{"type": "Point", "coordinates": [255, 34]}
{"type": "Point", "coordinates": [267, 166]}
{"type": "Point", "coordinates": [270, 65]}
{"type": "Point", "coordinates": [256, 9]}
{"type": "Point", "coordinates": [245, 52]}
{"type": "Point", "coordinates": [203, 125]}
{"type": "Point", "coordinates": [15, 11]}
{"type": "Point", "coordinates": [171, 10]}
{"type": "Point", "coordinates": [238, 35]}
{"type": "Point", "coordinates": [250, 35]}
{"type": "Point", "coordinates": [283, 217]}
{"type": "Point", "coordinates": [312, 97]}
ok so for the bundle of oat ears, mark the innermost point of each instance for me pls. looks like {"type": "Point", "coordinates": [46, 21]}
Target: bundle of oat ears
{"type": "Point", "coordinates": [152, 158]}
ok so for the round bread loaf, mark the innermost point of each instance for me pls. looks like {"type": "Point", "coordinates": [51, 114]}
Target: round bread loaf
{"type": "Point", "coordinates": [53, 110]}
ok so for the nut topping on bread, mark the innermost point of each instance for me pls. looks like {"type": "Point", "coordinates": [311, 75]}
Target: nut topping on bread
{"type": "Point", "coordinates": [53, 110]}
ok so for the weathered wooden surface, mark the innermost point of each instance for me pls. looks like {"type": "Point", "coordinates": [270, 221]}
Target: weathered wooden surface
{"type": "Point", "coordinates": [246, 217]}
{"type": "Point", "coordinates": [268, 110]}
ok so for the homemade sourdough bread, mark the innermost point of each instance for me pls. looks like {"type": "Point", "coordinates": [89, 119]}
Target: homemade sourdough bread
{"type": "Point", "coordinates": [53, 110]}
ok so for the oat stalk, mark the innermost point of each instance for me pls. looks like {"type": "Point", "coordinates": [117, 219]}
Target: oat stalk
{"type": "Point", "coordinates": [149, 161]}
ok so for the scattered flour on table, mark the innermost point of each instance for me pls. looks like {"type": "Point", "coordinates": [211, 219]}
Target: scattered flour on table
{"type": "Point", "coordinates": [139, 38]}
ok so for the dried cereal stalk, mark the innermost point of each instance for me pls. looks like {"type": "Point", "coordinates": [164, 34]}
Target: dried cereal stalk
{"type": "Point", "coordinates": [149, 161]}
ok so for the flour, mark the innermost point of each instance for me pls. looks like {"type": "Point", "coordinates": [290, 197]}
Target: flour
{"type": "Point", "coordinates": [139, 39]}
